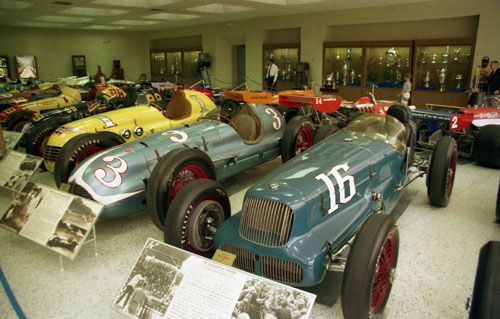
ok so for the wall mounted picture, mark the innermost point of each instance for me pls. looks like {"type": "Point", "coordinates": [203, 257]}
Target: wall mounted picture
{"type": "Point", "coordinates": [4, 66]}
{"type": "Point", "coordinates": [79, 65]}
{"type": "Point", "coordinates": [26, 67]}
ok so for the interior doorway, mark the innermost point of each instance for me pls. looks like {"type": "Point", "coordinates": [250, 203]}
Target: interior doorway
{"type": "Point", "coordinates": [240, 56]}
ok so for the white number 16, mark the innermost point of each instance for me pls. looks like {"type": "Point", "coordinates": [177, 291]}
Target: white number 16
{"type": "Point", "coordinates": [341, 184]}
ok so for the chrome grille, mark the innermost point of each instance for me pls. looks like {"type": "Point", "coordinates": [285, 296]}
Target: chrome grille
{"type": "Point", "coordinates": [281, 270]}
{"type": "Point", "coordinates": [266, 222]}
{"type": "Point", "coordinates": [78, 190]}
{"type": "Point", "coordinates": [50, 152]}
{"type": "Point", "coordinates": [244, 259]}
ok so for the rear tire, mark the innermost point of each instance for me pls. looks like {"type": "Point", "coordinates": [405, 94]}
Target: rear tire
{"type": "Point", "coordinates": [194, 216]}
{"type": "Point", "coordinates": [497, 213]}
{"type": "Point", "coordinates": [174, 171]}
{"type": "Point", "coordinates": [370, 268]}
{"type": "Point", "coordinates": [441, 173]}
{"type": "Point", "coordinates": [76, 150]}
{"type": "Point", "coordinates": [487, 146]}
{"type": "Point", "coordinates": [16, 121]}
{"type": "Point", "coordinates": [298, 137]}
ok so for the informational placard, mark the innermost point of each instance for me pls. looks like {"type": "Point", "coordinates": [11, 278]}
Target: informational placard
{"type": "Point", "coordinates": [17, 168]}
{"type": "Point", "coordinates": [54, 219]}
{"type": "Point", "coordinates": [11, 139]}
{"type": "Point", "coordinates": [167, 282]}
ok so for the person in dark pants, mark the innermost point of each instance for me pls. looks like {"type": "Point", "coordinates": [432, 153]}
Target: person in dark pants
{"type": "Point", "coordinates": [494, 80]}
{"type": "Point", "coordinates": [271, 75]}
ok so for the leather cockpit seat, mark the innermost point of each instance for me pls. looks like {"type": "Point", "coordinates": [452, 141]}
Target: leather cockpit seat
{"type": "Point", "coordinates": [179, 107]}
{"type": "Point", "coordinates": [248, 125]}
{"type": "Point", "coordinates": [403, 114]}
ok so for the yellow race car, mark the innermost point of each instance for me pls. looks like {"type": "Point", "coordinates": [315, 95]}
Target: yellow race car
{"type": "Point", "coordinates": [73, 142]}
{"type": "Point", "coordinates": [16, 116]}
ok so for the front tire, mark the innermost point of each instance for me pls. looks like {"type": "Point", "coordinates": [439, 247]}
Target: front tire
{"type": "Point", "coordinates": [370, 268]}
{"type": "Point", "coordinates": [37, 139]}
{"type": "Point", "coordinates": [297, 138]}
{"type": "Point", "coordinates": [76, 150]}
{"type": "Point", "coordinates": [487, 146]}
{"type": "Point", "coordinates": [16, 121]}
{"type": "Point", "coordinates": [194, 216]}
{"type": "Point", "coordinates": [441, 173]}
{"type": "Point", "coordinates": [173, 172]}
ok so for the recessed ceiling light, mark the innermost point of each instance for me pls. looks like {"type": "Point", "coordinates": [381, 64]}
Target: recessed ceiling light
{"type": "Point", "coordinates": [63, 19]}
{"type": "Point", "coordinates": [218, 8]}
{"type": "Point", "coordinates": [9, 4]}
{"type": "Point", "coordinates": [134, 22]}
{"type": "Point", "coordinates": [40, 24]}
{"type": "Point", "coordinates": [171, 16]}
{"type": "Point", "coordinates": [92, 11]}
{"type": "Point", "coordinates": [136, 3]}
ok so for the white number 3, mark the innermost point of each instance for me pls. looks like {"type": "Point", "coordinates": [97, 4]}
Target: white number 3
{"type": "Point", "coordinates": [341, 184]}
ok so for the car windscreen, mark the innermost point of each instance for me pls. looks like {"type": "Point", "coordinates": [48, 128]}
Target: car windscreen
{"type": "Point", "coordinates": [384, 128]}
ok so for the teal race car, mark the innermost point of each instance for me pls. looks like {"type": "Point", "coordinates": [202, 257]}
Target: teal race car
{"type": "Point", "coordinates": [327, 209]}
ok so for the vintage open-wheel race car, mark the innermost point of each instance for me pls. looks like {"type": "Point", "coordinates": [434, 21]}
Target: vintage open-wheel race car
{"type": "Point", "coordinates": [327, 209]}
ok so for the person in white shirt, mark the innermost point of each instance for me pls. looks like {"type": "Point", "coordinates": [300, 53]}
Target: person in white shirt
{"type": "Point", "coordinates": [405, 92]}
{"type": "Point", "coordinates": [271, 75]}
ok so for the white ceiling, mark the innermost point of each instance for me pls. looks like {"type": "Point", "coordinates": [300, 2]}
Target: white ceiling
{"type": "Point", "coordinates": [140, 15]}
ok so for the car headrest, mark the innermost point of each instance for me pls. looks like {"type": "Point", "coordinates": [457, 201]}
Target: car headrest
{"type": "Point", "coordinates": [401, 112]}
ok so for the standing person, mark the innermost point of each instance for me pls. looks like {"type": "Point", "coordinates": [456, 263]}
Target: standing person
{"type": "Point", "coordinates": [482, 75]}
{"type": "Point", "coordinates": [405, 92]}
{"type": "Point", "coordinates": [129, 290]}
{"type": "Point", "coordinates": [494, 80]}
{"type": "Point", "coordinates": [271, 75]}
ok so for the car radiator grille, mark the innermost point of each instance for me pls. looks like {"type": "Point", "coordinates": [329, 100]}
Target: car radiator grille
{"type": "Point", "coordinates": [266, 222]}
{"type": "Point", "coordinates": [78, 190]}
{"type": "Point", "coordinates": [281, 270]}
{"type": "Point", "coordinates": [50, 152]}
{"type": "Point", "coordinates": [244, 259]}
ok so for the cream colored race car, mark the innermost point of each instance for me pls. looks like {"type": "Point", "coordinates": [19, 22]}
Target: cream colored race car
{"type": "Point", "coordinates": [75, 141]}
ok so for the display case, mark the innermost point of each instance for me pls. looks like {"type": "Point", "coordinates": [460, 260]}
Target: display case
{"type": "Point", "coordinates": [285, 57]}
{"type": "Point", "coordinates": [158, 66]}
{"type": "Point", "coordinates": [343, 65]}
{"type": "Point", "coordinates": [4, 67]}
{"type": "Point", "coordinates": [387, 65]}
{"type": "Point", "coordinates": [79, 65]}
{"type": "Point", "coordinates": [190, 64]}
{"type": "Point", "coordinates": [443, 67]}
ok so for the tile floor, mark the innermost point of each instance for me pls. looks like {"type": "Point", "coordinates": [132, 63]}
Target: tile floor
{"type": "Point", "coordinates": [436, 267]}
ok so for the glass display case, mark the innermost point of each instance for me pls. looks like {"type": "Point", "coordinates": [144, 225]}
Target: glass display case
{"type": "Point", "coordinates": [344, 65]}
{"type": "Point", "coordinates": [387, 65]}
{"type": "Point", "coordinates": [4, 66]}
{"type": "Point", "coordinates": [174, 64]}
{"type": "Point", "coordinates": [286, 60]}
{"type": "Point", "coordinates": [443, 67]}
{"type": "Point", "coordinates": [158, 67]}
{"type": "Point", "coordinates": [190, 64]}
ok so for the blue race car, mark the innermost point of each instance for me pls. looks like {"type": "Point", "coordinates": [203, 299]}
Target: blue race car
{"type": "Point", "coordinates": [327, 209]}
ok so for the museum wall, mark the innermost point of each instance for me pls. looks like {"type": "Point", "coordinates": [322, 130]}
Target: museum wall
{"type": "Point", "coordinates": [53, 49]}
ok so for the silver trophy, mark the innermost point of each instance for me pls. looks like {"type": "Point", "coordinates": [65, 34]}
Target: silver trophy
{"type": "Point", "coordinates": [423, 54]}
{"type": "Point", "coordinates": [348, 55]}
{"type": "Point", "coordinates": [446, 55]}
{"type": "Point", "coordinates": [434, 57]}
{"type": "Point", "coordinates": [338, 55]}
{"type": "Point", "coordinates": [398, 63]}
{"type": "Point", "coordinates": [407, 62]}
{"type": "Point", "coordinates": [458, 77]}
{"type": "Point", "coordinates": [337, 77]}
{"type": "Point", "coordinates": [345, 71]}
{"type": "Point", "coordinates": [427, 79]}
{"type": "Point", "coordinates": [353, 76]}
{"type": "Point", "coordinates": [456, 53]}
{"type": "Point", "coordinates": [380, 58]}
{"type": "Point", "coordinates": [442, 78]}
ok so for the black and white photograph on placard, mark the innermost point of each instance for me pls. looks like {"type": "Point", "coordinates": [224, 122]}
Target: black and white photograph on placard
{"type": "Point", "coordinates": [11, 139]}
{"type": "Point", "coordinates": [17, 168]}
{"type": "Point", "coordinates": [150, 286]}
{"type": "Point", "coordinates": [23, 206]}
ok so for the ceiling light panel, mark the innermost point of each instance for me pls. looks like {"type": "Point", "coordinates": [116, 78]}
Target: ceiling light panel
{"type": "Point", "coordinates": [134, 22]}
{"type": "Point", "coordinates": [16, 5]}
{"type": "Point", "coordinates": [278, 2]}
{"type": "Point", "coordinates": [92, 11]}
{"type": "Point", "coordinates": [171, 16]}
{"type": "Point", "coordinates": [63, 19]}
{"type": "Point", "coordinates": [136, 3]}
{"type": "Point", "coordinates": [105, 27]}
{"type": "Point", "coordinates": [41, 24]}
{"type": "Point", "coordinates": [219, 8]}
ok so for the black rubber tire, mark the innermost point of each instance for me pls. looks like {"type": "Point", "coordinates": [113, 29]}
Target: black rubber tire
{"type": "Point", "coordinates": [485, 297]}
{"type": "Point", "coordinates": [183, 216]}
{"type": "Point", "coordinates": [229, 108]}
{"type": "Point", "coordinates": [444, 157]}
{"type": "Point", "coordinates": [376, 232]}
{"type": "Point", "coordinates": [325, 131]}
{"type": "Point", "coordinates": [497, 211]}
{"type": "Point", "coordinates": [288, 145]}
{"type": "Point", "coordinates": [74, 151]}
{"type": "Point", "coordinates": [160, 183]}
{"type": "Point", "coordinates": [487, 146]}
{"type": "Point", "coordinates": [37, 136]}
{"type": "Point", "coordinates": [16, 121]}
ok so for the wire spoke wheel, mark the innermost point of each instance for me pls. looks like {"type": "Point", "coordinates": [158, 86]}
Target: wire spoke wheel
{"type": "Point", "coordinates": [383, 273]}
{"type": "Point", "coordinates": [184, 176]}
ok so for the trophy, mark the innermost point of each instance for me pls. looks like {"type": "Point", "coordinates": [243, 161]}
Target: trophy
{"type": "Point", "coordinates": [399, 63]}
{"type": "Point", "coordinates": [427, 79]}
{"type": "Point", "coordinates": [391, 57]}
{"type": "Point", "coordinates": [348, 55]}
{"type": "Point", "coordinates": [380, 60]}
{"type": "Point", "coordinates": [289, 72]}
{"type": "Point", "coordinates": [458, 77]}
{"type": "Point", "coordinates": [329, 79]}
{"type": "Point", "coordinates": [407, 62]}
{"type": "Point", "coordinates": [456, 52]}
{"type": "Point", "coordinates": [446, 55]}
{"type": "Point", "coordinates": [434, 56]}
{"type": "Point", "coordinates": [337, 77]}
{"type": "Point", "coordinates": [353, 76]}
{"type": "Point", "coordinates": [442, 78]}
{"type": "Point", "coordinates": [423, 54]}
{"type": "Point", "coordinates": [344, 73]}
{"type": "Point", "coordinates": [338, 55]}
